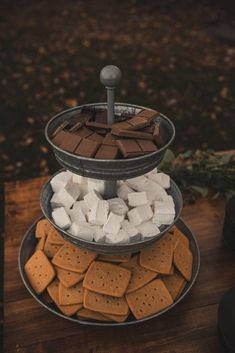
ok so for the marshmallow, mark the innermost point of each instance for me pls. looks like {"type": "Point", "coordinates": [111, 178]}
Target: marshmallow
{"type": "Point", "coordinates": [163, 218]}
{"type": "Point", "coordinates": [132, 231]}
{"type": "Point", "coordinates": [99, 235]}
{"type": "Point", "coordinates": [79, 179]}
{"type": "Point", "coordinates": [61, 218]}
{"type": "Point", "coordinates": [152, 172]}
{"type": "Point", "coordinates": [92, 198]}
{"type": "Point", "coordinates": [161, 178]}
{"type": "Point", "coordinates": [123, 191]}
{"type": "Point", "coordinates": [82, 230]}
{"type": "Point", "coordinates": [83, 190]}
{"type": "Point", "coordinates": [118, 206]}
{"type": "Point", "coordinates": [137, 198]}
{"type": "Point", "coordinates": [168, 200]}
{"type": "Point", "coordinates": [60, 180]}
{"type": "Point", "coordinates": [99, 214]}
{"type": "Point", "coordinates": [73, 189]}
{"type": "Point", "coordinates": [140, 214]}
{"type": "Point", "coordinates": [154, 191]}
{"type": "Point", "coordinates": [95, 184]}
{"type": "Point", "coordinates": [76, 214]}
{"type": "Point", "coordinates": [121, 237]}
{"type": "Point", "coordinates": [148, 229]}
{"type": "Point", "coordinates": [83, 205]}
{"type": "Point", "coordinates": [113, 223]}
{"type": "Point", "coordinates": [137, 183]}
{"type": "Point", "coordinates": [62, 199]}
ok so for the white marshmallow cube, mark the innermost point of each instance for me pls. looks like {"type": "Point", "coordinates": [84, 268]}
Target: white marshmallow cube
{"type": "Point", "coordinates": [154, 191]}
{"type": "Point", "coordinates": [61, 218]}
{"type": "Point", "coordinates": [60, 180]}
{"type": "Point", "coordinates": [137, 183]}
{"type": "Point", "coordinates": [113, 223]}
{"type": "Point", "coordinates": [118, 206]}
{"type": "Point", "coordinates": [82, 230]}
{"type": "Point", "coordinates": [82, 204]}
{"type": "Point", "coordinates": [148, 229]}
{"type": "Point", "coordinates": [76, 214]}
{"type": "Point", "coordinates": [137, 198]}
{"type": "Point", "coordinates": [95, 184]}
{"type": "Point", "coordinates": [161, 178]}
{"type": "Point", "coordinates": [121, 237]}
{"type": "Point", "coordinates": [92, 198]}
{"type": "Point", "coordinates": [99, 234]}
{"type": "Point", "coordinates": [99, 214]}
{"type": "Point", "coordinates": [152, 172]}
{"type": "Point", "coordinates": [163, 218]}
{"type": "Point", "coordinates": [62, 199]}
{"type": "Point", "coordinates": [163, 208]}
{"type": "Point", "coordinates": [140, 214]}
{"type": "Point", "coordinates": [132, 231]}
{"type": "Point", "coordinates": [123, 191]}
{"type": "Point", "coordinates": [73, 189]}
{"type": "Point", "coordinates": [79, 179]}
{"type": "Point", "coordinates": [168, 200]}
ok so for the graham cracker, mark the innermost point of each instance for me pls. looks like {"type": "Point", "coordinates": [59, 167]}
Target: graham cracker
{"type": "Point", "coordinates": [149, 300]}
{"type": "Point", "coordinates": [72, 295]}
{"type": "Point", "coordinates": [114, 258]}
{"type": "Point", "coordinates": [139, 275]}
{"type": "Point", "coordinates": [118, 318]}
{"type": "Point", "coordinates": [105, 304]}
{"type": "Point", "coordinates": [106, 278]}
{"type": "Point", "coordinates": [54, 237]}
{"type": "Point", "coordinates": [174, 284]}
{"type": "Point", "coordinates": [183, 260]}
{"type": "Point", "coordinates": [158, 256]}
{"type": "Point", "coordinates": [181, 237]}
{"type": "Point", "coordinates": [69, 278]}
{"type": "Point", "coordinates": [42, 228]}
{"type": "Point", "coordinates": [71, 257]}
{"type": "Point", "coordinates": [41, 242]}
{"type": "Point", "coordinates": [39, 271]}
{"type": "Point", "coordinates": [53, 291]}
{"type": "Point", "coordinates": [91, 315]}
{"type": "Point", "coordinates": [50, 249]}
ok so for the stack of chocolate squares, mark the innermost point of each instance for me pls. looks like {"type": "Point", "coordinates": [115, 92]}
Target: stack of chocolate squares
{"type": "Point", "coordinates": [87, 134]}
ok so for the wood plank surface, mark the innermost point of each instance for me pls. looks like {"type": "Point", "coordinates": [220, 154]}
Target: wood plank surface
{"type": "Point", "coordinates": [188, 328]}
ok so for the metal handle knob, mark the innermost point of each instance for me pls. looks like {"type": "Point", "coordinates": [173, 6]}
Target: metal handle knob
{"type": "Point", "coordinates": [110, 76]}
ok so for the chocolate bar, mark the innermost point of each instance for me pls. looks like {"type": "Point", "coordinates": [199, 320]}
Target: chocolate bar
{"type": "Point", "coordinates": [149, 114]}
{"type": "Point", "coordinates": [96, 137]}
{"type": "Point", "coordinates": [132, 134]}
{"type": "Point", "coordinates": [87, 148]}
{"type": "Point", "coordinates": [84, 132]}
{"type": "Point", "coordinates": [76, 127]}
{"type": "Point", "coordinates": [109, 140]}
{"type": "Point", "coordinates": [147, 146]}
{"type": "Point", "coordinates": [129, 147]}
{"type": "Point", "coordinates": [67, 141]}
{"type": "Point", "coordinates": [60, 128]}
{"type": "Point", "coordinates": [107, 152]}
{"type": "Point", "coordinates": [96, 125]}
{"type": "Point", "coordinates": [159, 135]}
{"type": "Point", "coordinates": [138, 122]}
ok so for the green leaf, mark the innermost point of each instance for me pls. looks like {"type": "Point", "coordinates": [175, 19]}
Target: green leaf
{"type": "Point", "coordinates": [168, 158]}
{"type": "Point", "coordinates": [215, 196]}
{"type": "Point", "coordinates": [229, 194]}
{"type": "Point", "coordinates": [202, 190]}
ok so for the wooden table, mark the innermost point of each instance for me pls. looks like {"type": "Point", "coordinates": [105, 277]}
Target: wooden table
{"type": "Point", "coordinates": [188, 328]}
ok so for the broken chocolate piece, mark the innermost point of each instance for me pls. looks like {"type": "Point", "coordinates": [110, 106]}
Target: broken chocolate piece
{"type": "Point", "coordinates": [138, 122]}
{"type": "Point", "coordinates": [159, 135]}
{"type": "Point", "coordinates": [129, 147]}
{"type": "Point", "coordinates": [84, 132]}
{"type": "Point", "coordinates": [96, 137]}
{"type": "Point", "coordinates": [107, 152]}
{"type": "Point", "coordinates": [148, 114]}
{"type": "Point", "coordinates": [75, 127]}
{"type": "Point", "coordinates": [96, 125]}
{"type": "Point", "coordinates": [147, 146]}
{"type": "Point", "coordinates": [122, 125]}
{"type": "Point", "coordinates": [132, 134]}
{"type": "Point", "coordinates": [109, 140]}
{"type": "Point", "coordinates": [87, 148]}
{"type": "Point", "coordinates": [67, 141]}
{"type": "Point", "coordinates": [60, 128]}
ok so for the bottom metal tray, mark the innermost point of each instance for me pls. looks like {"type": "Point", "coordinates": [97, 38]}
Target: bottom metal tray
{"type": "Point", "coordinates": [27, 248]}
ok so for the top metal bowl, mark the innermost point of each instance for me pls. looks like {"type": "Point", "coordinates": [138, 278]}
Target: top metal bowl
{"type": "Point", "coordinates": [102, 168]}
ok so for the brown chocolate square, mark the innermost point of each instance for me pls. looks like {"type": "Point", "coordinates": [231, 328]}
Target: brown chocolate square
{"type": "Point", "coordinates": [138, 122]}
{"type": "Point", "coordinates": [146, 146]}
{"type": "Point", "coordinates": [129, 147]}
{"type": "Point", "coordinates": [60, 128]}
{"type": "Point", "coordinates": [109, 139]}
{"type": "Point", "coordinates": [87, 148]}
{"type": "Point", "coordinates": [107, 152]}
{"type": "Point", "coordinates": [159, 135]}
{"type": "Point", "coordinates": [84, 132]}
{"type": "Point", "coordinates": [148, 114]}
{"type": "Point", "coordinates": [67, 141]}
{"type": "Point", "coordinates": [96, 137]}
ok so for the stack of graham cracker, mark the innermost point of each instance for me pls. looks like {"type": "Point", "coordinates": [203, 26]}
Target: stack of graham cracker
{"type": "Point", "coordinates": [109, 287]}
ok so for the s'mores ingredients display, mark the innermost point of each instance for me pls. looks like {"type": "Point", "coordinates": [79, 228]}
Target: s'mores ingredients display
{"type": "Point", "coordinates": [109, 288]}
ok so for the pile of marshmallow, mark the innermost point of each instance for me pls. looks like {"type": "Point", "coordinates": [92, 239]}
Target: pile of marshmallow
{"type": "Point", "coordinates": [142, 205]}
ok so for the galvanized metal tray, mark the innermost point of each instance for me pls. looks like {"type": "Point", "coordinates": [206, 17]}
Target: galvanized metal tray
{"type": "Point", "coordinates": [46, 195]}
{"type": "Point", "coordinates": [27, 247]}
{"type": "Point", "coordinates": [108, 169]}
